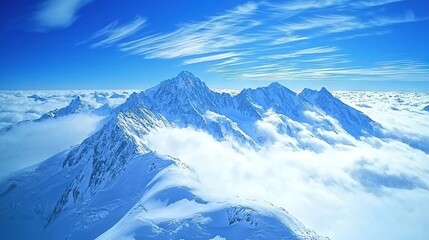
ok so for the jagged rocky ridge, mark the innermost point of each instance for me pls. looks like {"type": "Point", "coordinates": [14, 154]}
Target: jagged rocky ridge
{"type": "Point", "coordinates": [113, 186]}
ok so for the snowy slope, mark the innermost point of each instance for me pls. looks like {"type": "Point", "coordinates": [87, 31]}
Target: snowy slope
{"type": "Point", "coordinates": [114, 186]}
{"type": "Point", "coordinates": [353, 121]}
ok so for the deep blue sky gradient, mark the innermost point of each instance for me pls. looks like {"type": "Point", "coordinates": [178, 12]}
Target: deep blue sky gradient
{"type": "Point", "coordinates": [35, 57]}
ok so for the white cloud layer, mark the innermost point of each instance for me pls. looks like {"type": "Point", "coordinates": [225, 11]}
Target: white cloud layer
{"type": "Point", "coordinates": [33, 142]}
{"type": "Point", "coordinates": [17, 106]}
{"type": "Point", "coordinates": [400, 113]}
{"type": "Point", "coordinates": [355, 189]}
{"type": "Point", "coordinates": [29, 143]}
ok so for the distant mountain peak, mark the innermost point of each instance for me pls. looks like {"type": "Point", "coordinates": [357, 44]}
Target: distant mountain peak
{"type": "Point", "coordinates": [311, 95]}
{"type": "Point", "coordinates": [307, 91]}
{"type": "Point", "coordinates": [77, 105]}
{"type": "Point", "coordinates": [77, 102]}
{"type": "Point", "coordinates": [323, 90]}
{"type": "Point", "coordinates": [310, 92]}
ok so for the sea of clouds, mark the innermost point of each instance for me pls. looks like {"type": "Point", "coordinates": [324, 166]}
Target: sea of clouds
{"type": "Point", "coordinates": [28, 142]}
{"type": "Point", "coordinates": [345, 188]}
{"type": "Point", "coordinates": [368, 188]}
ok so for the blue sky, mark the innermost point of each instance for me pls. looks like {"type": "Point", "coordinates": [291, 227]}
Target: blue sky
{"type": "Point", "coordinates": [134, 44]}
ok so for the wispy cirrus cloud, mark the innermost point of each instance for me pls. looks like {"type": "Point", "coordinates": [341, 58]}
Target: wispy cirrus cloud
{"type": "Point", "coordinates": [321, 4]}
{"type": "Point", "coordinates": [113, 33]}
{"type": "Point", "coordinates": [289, 39]}
{"type": "Point", "coordinates": [54, 14]}
{"type": "Point", "coordinates": [379, 21]}
{"type": "Point", "coordinates": [213, 35]}
{"type": "Point", "coordinates": [385, 70]}
{"type": "Point", "coordinates": [373, 3]}
{"type": "Point", "coordinates": [299, 53]}
{"type": "Point", "coordinates": [329, 24]}
{"type": "Point", "coordinates": [263, 33]}
{"type": "Point", "coordinates": [310, 4]}
{"type": "Point", "coordinates": [407, 17]}
{"type": "Point", "coordinates": [211, 58]}
{"type": "Point", "coordinates": [316, 22]}
{"type": "Point", "coordinates": [366, 34]}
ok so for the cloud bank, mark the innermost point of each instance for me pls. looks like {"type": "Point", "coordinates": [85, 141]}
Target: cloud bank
{"type": "Point", "coordinates": [28, 142]}
{"type": "Point", "coordinates": [17, 106]}
{"type": "Point", "coordinates": [33, 142]}
{"type": "Point", "coordinates": [372, 188]}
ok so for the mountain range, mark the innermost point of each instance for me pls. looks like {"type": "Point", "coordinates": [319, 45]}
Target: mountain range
{"type": "Point", "coordinates": [113, 186]}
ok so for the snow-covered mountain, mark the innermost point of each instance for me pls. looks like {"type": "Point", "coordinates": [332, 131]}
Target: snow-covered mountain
{"type": "Point", "coordinates": [186, 101]}
{"type": "Point", "coordinates": [113, 186]}
{"type": "Point", "coordinates": [353, 121]}
{"type": "Point", "coordinates": [77, 105]}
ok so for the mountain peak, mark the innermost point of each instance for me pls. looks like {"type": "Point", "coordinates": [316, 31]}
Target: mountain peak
{"type": "Point", "coordinates": [184, 82]}
{"type": "Point", "coordinates": [307, 91]}
{"type": "Point", "coordinates": [77, 104]}
{"type": "Point", "coordinates": [184, 74]}
{"type": "Point", "coordinates": [175, 93]}
{"type": "Point", "coordinates": [275, 85]}
{"type": "Point", "coordinates": [353, 121]}
{"type": "Point", "coordinates": [132, 102]}
{"type": "Point", "coordinates": [323, 90]}
{"type": "Point", "coordinates": [185, 79]}
{"type": "Point", "coordinates": [76, 101]}
{"type": "Point", "coordinates": [311, 94]}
